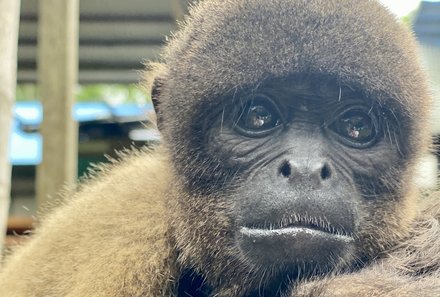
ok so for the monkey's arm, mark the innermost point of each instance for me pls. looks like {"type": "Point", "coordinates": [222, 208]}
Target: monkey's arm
{"type": "Point", "coordinates": [374, 282]}
{"type": "Point", "coordinates": [411, 269]}
{"type": "Point", "coordinates": [109, 239]}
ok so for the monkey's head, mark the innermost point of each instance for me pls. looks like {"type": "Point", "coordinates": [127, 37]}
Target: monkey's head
{"type": "Point", "coordinates": [293, 128]}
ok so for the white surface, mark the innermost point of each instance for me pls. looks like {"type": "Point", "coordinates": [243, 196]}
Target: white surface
{"type": "Point", "coordinates": [427, 172]}
{"type": "Point", "coordinates": [401, 7]}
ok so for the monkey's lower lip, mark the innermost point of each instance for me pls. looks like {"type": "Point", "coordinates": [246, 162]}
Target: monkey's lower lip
{"type": "Point", "coordinates": [293, 245]}
{"type": "Point", "coordinates": [291, 231]}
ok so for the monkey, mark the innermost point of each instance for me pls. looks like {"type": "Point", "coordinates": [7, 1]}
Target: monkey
{"type": "Point", "coordinates": [291, 132]}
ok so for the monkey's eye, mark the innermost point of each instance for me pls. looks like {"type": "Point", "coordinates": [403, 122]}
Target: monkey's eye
{"type": "Point", "coordinates": [358, 127]}
{"type": "Point", "coordinates": [257, 117]}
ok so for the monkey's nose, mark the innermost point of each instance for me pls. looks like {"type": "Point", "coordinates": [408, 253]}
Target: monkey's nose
{"type": "Point", "coordinates": [314, 173]}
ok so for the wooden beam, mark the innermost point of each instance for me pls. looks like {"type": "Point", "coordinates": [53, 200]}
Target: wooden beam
{"type": "Point", "coordinates": [57, 62]}
{"type": "Point", "coordinates": [9, 19]}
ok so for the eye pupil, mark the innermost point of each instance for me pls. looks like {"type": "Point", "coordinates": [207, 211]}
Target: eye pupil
{"type": "Point", "coordinates": [357, 126]}
{"type": "Point", "coordinates": [258, 117]}
{"type": "Point", "coordinates": [354, 133]}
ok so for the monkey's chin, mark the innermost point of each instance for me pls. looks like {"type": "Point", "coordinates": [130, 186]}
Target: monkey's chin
{"type": "Point", "coordinates": [294, 246]}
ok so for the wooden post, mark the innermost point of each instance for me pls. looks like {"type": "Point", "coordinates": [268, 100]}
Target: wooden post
{"type": "Point", "coordinates": [57, 77]}
{"type": "Point", "coordinates": [9, 19]}
{"type": "Point", "coordinates": [177, 10]}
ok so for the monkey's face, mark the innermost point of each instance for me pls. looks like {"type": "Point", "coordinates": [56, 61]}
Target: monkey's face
{"type": "Point", "coordinates": [307, 154]}
{"type": "Point", "coordinates": [292, 138]}
{"type": "Point", "coordinates": [294, 172]}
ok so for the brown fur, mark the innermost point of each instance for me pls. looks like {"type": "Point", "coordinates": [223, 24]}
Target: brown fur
{"type": "Point", "coordinates": [110, 239]}
{"type": "Point", "coordinates": [135, 229]}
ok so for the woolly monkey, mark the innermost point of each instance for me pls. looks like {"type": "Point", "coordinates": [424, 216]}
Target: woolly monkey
{"type": "Point", "coordinates": [291, 130]}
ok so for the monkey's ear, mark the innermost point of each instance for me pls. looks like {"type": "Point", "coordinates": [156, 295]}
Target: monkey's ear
{"type": "Point", "coordinates": [153, 80]}
{"type": "Point", "coordinates": [155, 98]}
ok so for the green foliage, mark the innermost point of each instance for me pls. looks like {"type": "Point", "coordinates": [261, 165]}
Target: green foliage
{"type": "Point", "coordinates": [110, 93]}
{"type": "Point", "coordinates": [26, 92]}
{"type": "Point", "coordinates": [409, 18]}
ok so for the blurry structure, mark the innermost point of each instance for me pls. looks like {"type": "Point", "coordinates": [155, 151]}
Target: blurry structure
{"type": "Point", "coordinates": [103, 130]}
{"type": "Point", "coordinates": [427, 29]}
{"type": "Point", "coordinates": [114, 37]}
{"type": "Point", "coordinates": [97, 121]}
{"type": "Point", "coordinates": [9, 12]}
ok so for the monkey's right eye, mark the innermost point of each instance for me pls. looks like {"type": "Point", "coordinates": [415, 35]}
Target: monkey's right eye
{"type": "Point", "coordinates": [357, 127]}
{"type": "Point", "coordinates": [257, 117]}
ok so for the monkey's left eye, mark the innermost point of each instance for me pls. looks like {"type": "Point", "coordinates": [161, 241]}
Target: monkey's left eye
{"type": "Point", "coordinates": [257, 117]}
{"type": "Point", "coordinates": [358, 127]}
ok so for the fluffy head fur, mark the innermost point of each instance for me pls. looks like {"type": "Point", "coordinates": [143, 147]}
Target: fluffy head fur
{"type": "Point", "coordinates": [228, 45]}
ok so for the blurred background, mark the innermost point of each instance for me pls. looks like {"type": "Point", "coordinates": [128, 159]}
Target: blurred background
{"type": "Point", "coordinates": [99, 107]}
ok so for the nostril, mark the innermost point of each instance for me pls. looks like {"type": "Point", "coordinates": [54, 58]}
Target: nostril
{"type": "Point", "coordinates": [285, 169]}
{"type": "Point", "coordinates": [325, 172]}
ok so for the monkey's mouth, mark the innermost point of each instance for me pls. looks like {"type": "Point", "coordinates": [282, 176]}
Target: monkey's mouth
{"type": "Point", "coordinates": [294, 243]}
